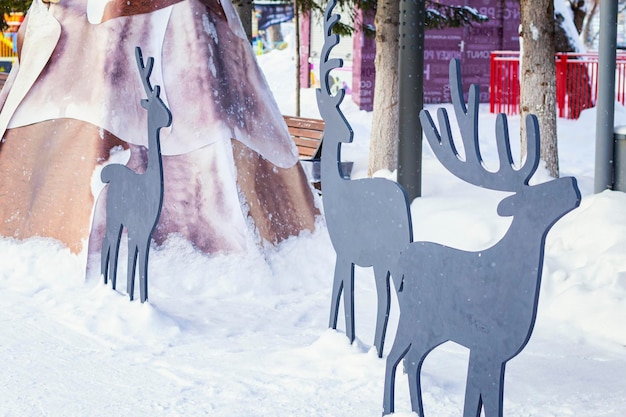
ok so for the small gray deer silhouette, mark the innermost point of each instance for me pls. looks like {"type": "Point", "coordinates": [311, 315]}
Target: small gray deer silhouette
{"type": "Point", "coordinates": [134, 200]}
{"type": "Point", "coordinates": [487, 300]}
{"type": "Point", "coordinates": [368, 220]}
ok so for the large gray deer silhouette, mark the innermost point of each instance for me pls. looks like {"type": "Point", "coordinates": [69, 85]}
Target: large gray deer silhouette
{"type": "Point", "coordinates": [487, 300]}
{"type": "Point", "coordinates": [368, 220]}
{"type": "Point", "coordinates": [134, 200]}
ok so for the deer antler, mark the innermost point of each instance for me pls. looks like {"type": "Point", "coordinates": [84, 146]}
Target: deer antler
{"type": "Point", "coordinates": [526, 171]}
{"type": "Point", "coordinates": [472, 169]}
{"type": "Point", "coordinates": [331, 40]}
{"type": "Point", "coordinates": [145, 71]}
{"type": "Point", "coordinates": [337, 126]}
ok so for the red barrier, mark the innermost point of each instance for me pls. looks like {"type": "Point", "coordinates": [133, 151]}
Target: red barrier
{"type": "Point", "coordinates": [576, 82]}
{"type": "Point", "coordinates": [504, 82]}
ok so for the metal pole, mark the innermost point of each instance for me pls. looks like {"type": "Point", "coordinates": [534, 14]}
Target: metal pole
{"type": "Point", "coordinates": [411, 96]}
{"type": "Point", "coordinates": [606, 96]}
{"type": "Point", "coordinates": [296, 16]}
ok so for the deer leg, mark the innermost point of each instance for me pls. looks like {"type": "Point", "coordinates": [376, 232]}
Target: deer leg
{"type": "Point", "coordinates": [130, 272]}
{"type": "Point", "coordinates": [381, 275]}
{"type": "Point", "coordinates": [114, 251]}
{"type": "Point", "coordinates": [343, 281]}
{"type": "Point", "coordinates": [473, 399]}
{"type": "Point", "coordinates": [413, 363]}
{"type": "Point", "coordinates": [143, 271]}
{"type": "Point", "coordinates": [401, 346]}
{"type": "Point", "coordinates": [335, 298]}
{"type": "Point", "coordinates": [348, 301]}
{"type": "Point", "coordinates": [104, 258]}
{"type": "Point", "coordinates": [492, 392]}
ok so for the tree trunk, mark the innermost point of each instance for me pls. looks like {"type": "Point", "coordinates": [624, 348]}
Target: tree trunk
{"type": "Point", "coordinates": [384, 135]}
{"type": "Point", "coordinates": [578, 82]}
{"type": "Point", "coordinates": [244, 10]}
{"type": "Point", "coordinates": [579, 10]}
{"type": "Point", "coordinates": [586, 33]}
{"type": "Point", "coordinates": [274, 35]}
{"type": "Point", "coordinates": [538, 76]}
{"type": "Point", "coordinates": [563, 41]}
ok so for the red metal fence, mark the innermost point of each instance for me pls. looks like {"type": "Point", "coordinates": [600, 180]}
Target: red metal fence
{"type": "Point", "coordinates": [576, 82]}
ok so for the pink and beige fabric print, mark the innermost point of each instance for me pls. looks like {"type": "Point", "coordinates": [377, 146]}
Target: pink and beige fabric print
{"type": "Point", "coordinates": [231, 171]}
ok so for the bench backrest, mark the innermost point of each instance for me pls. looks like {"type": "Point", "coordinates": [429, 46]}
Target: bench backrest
{"type": "Point", "coordinates": [307, 134]}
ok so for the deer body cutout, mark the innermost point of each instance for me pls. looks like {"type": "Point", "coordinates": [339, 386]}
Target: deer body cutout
{"type": "Point", "coordinates": [134, 200]}
{"type": "Point", "coordinates": [487, 300]}
{"type": "Point", "coordinates": [368, 220]}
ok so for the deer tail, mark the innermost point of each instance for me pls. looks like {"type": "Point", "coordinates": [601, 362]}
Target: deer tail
{"type": "Point", "coordinates": [109, 172]}
{"type": "Point", "coordinates": [106, 174]}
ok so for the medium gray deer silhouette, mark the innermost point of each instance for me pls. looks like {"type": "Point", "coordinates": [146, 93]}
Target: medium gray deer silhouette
{"type": "Point", "coordinates": [368, 220]}
{"type": "Point", "coordinates": [134, 200]}
{"type": "Point", "coordinates": [487, 300]}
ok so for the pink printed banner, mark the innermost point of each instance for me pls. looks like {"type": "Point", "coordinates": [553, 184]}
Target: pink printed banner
{"type": "Point", "coordinates": [363, 70]}
{"type": "Point", "coordinates": [472, 45]}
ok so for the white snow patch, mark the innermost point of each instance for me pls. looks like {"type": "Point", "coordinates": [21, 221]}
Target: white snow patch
{"type": "Point", "coordinates": [534, 31]}
{"type": "Point", "coordinates": [232, 335]}
{"type": "Point", "coordinates": [209, 28]}
{"type": "Point", "coordinates": [95, 10]}
{"type": "Point", "coordinates": [561, 7]}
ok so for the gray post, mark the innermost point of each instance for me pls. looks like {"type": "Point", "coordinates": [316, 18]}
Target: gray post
{"type": "Point", "coordinates": [606, 96]}
{"type": "Point", "coordinates": [411, 96]}
{"type": "Point", "coordinates": [296, 16]}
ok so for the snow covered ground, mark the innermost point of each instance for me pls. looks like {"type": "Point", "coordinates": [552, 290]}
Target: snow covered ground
{"type": "Point", "coordinates": [233, 335]}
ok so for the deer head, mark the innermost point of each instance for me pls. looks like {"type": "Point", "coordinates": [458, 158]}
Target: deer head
{"type": "Point", "coordinates": [337, 127]}
{"type": "Point", "coordinates": [158, 113]}
{"type": "Point", "coordinates": [507, 178]}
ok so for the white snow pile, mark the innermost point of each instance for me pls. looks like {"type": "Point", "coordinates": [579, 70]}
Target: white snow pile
{"type": "Point", "coordinates": [246, 335]}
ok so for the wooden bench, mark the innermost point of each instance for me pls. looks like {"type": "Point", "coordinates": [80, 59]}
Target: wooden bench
{"type": "Point", "coordinates": [307, 134]}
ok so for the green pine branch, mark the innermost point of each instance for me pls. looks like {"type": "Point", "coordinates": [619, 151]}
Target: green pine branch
{"type": "Point", "coordinates": [438, 16]}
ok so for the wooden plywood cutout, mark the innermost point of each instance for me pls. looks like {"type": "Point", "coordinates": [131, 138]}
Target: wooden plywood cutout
{"type": "Point", "coordinates": [368, 220]}
{"type": "Point", "coordinates": [134, 200]}
{"type": "Point", "coordinates": [233, 182]}
{"type": "Point", "coordinates": [485, 300]}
